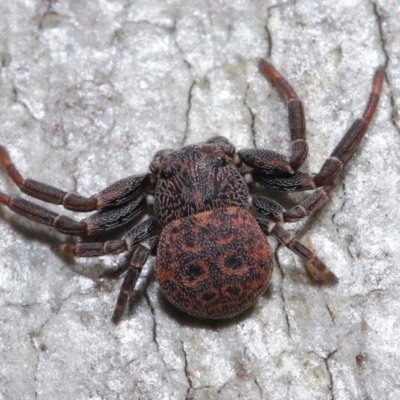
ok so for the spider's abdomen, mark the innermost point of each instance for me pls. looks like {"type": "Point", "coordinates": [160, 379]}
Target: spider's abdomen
{"type": "Point", "coordinates": [214, 264]}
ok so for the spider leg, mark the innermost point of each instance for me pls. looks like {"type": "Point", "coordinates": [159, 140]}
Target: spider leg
{"type": "Point", "coordinates": [297, 182]}
{"type": "Point", "coordinates": [137, 234]}
{"type": "Point", "coordinates": [300, 181]}
{"type": "Point", "coordinates": [138, 260]}
{"type": "Point", "coordinates": [351, 140]}
{"type": "Point", "coordinates": [100, 221]}
{"type": "Point", "coordinates": [275, 212]}
{"type": "Point", "coordinates": [119, 192]}
{"type": "Point", "coordinates": [319, 272]}
{"type": "Point", "coordinates": [268, 161]}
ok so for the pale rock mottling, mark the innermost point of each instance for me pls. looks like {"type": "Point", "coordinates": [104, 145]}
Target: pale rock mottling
{"type": "Point", "coordinates": [90, 90]}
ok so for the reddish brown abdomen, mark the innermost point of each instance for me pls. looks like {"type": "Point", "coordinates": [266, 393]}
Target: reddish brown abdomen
{"type": "Point", "coordinates": [214, 264]}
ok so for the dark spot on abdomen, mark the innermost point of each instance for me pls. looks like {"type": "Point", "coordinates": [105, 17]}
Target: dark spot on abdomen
{"type": "Point", "coordinates": [208, 296]}
{"type": "Point", "coordinates": [233, 262]}
{"type": "Point", "coordinates": [193, 271]}
{"type": "Point", "coordinates": [189, 241]}
{"type": "Point", "coordinates": [233, 290]}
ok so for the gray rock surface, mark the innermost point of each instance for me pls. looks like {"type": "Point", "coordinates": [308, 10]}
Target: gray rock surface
{"type": "Point", "coordinates": [90, 90]}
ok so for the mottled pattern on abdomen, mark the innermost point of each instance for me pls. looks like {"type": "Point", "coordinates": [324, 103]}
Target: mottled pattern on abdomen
{"type": "Point", "coordinates": [214, 264]}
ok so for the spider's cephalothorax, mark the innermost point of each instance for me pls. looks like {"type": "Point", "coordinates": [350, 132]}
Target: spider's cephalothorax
{"type": "Point", "coordinates": [197, 178]}
{"type": "Point", "coordinates": [213, 258]}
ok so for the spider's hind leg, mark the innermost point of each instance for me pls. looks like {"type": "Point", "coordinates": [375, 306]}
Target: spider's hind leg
{"type": "Point", "coordinates": [139, 258]}
{"type": "Point", "coordinates": [318, 271]}
{"type": "Point", "coordinates": [137, 234]}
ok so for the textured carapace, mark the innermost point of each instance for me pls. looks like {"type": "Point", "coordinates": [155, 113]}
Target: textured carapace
{"type": "Point", "coordinates": [213, 258]}
{"type": "Point", "coordinates": [197, 178]}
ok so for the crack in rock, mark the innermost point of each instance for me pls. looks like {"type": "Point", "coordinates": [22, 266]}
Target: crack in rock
{"type": "Point", "coordinates": [154, 331]}
{"type": "Point", "coordinates": [186, 369]}
{"type": "Point", "coordinates": [387, 60]}
{"type": "Point", "coordinates": [281, 290]}
{"type": "Point", "coordinates": [252, 129]}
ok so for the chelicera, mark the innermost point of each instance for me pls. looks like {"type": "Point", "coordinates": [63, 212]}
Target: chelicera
{"type": "Point", "coordinates": [213, 259]}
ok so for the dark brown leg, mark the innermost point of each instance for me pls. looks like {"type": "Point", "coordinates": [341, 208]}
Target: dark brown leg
{"type": "Point", "coordinates": [128, 285]}
{"type": "Point", "coordinates": [351, 140]}
{"type": "Point", "coordinates": [268, 161]}
{"type": "Point", "coordinates": [318, 271]}
{"type": "Point", "coordinates": [297, 122]}
{"type": "Point", "coordinates": [275, 212]}
{"type": "Point", "coordinates": [300, 181]}
{"type": "Point", "coordinates": [102, 220]}
{"type": "Point", "coordinates": [118, 193]}
{"type": "Point", "coordinates": [297, 182]}
{"type": "Point", "coordinates": [136, 235]}
{"type": "Point", "coordinates": [115, 217]}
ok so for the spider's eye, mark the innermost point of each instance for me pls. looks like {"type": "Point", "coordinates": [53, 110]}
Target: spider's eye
{"type": "Point", "coordinates": [227, 148]}
{"type": "Point", "coordinates": [169, 171]}
{"type": "Point", "coordinates": [154, 166]}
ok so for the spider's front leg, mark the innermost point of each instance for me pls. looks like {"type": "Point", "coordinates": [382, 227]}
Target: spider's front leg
{"type": "Point", "coordinates": [100, 221]}
{"type": "Point", "coordinates": [117, 204]}
{"type": "Point", "coordinates": [118, 193]}
{"type": "Point", "coordinates": [351, 140]}
{"type": "Point", "coordinates": [300, 181]}
{"type": "Point", "coordinates": [268, 161]}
